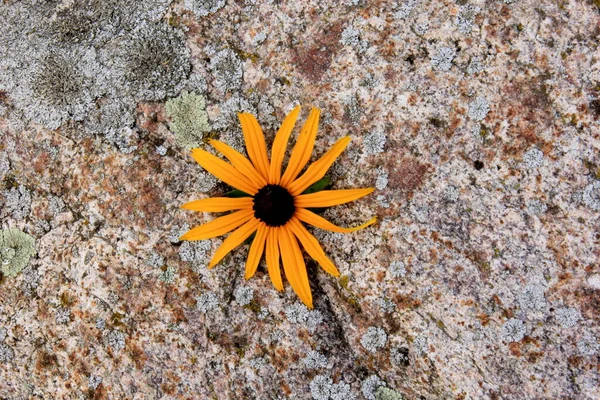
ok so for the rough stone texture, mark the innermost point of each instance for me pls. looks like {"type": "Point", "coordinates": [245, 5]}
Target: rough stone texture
{"type": "Point", "coordinates": [477, 121]}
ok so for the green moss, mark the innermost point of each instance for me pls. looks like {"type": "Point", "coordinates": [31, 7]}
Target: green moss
{"type": "Point", "coordinates": [16, 248]}
{"type": "Point", "coordinates": [189, 119]}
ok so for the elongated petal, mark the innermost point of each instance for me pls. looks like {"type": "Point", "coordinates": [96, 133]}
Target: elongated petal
{"type": "Point", "coordinates": [240, 162]}
{"type": "Point", "coordinates": [293, 265]}
{"type": "Point", "coordinates": [218, 226]}
{"type": "Point", "coordinates": [234, 240]}
{"type": "Point", "coordinates": [317, 221]}
{"type": "Point", "coordinates": [219, 204]}
{"type": "Point", "coordinates": [256, 250]}
{"type": "Point", "coordinates": [255, 143]}
{"type": "Point", "coordinates": [224, 171]}
{"type": "Point", "coordinates": [302, 149]}
{"type": "Point", "coordinates": [273, 258]}
{"type": "Point", "coordinates": [328, 198]}
{"type": "Point", "coordinates": [280, 144]}
{"type": "Point", "coordinates": [312, 246]}
{"type": "Point", "coordinates": [318, 169]}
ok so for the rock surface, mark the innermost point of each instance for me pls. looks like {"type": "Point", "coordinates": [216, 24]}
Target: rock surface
{"type": "Point", "coordinates": [477, 121]}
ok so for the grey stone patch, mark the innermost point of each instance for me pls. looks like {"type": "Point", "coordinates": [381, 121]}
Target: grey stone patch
{"type": "Point", "coordinates": [373, 339]}
{"type": "Point", "coordinates": [442, 59]}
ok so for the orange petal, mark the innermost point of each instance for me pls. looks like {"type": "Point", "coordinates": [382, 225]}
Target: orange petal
{"type": "Point", "coordinates": [328, 198]}
{"type": "Point", "coordinates": [312, 246]}
{"type": "Point", "coordinates": [240, 162]}
{"type": "Point", "coordinates": [315, 220]}
{"type": "Point", "coordinates": [293, 265]}
{"type": "Point", "coordinates": [218, 226]}
{"type": "Point", "coordinates": [234, 240]}
{"type": "Point", "coordinates": [273, 258]}
{"type": "Point", "coordinates": [255, 143]}
{"type": "Point", "coordinates": [224, 171]}
{"type": "Point", "coordinates": [219, 204]}
{"type": "Point", "coordinates": [280, 144]}
{"type": "Point", "coordinates": [302, 149]}
{"type": "Point", "coordinates": [256, 250]}
{"type": "Point", "coordinates": [318, 169]}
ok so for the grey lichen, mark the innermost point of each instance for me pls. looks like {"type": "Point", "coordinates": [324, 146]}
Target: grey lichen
{"type": "Point", "coordinates": [315, 360]}
{"type": "Point", "coordinates": [207, 302]}
{"type": "Point", "coordinates": [202, 8]}
{"type": "Point", "coordinates": [374, 339]}
{"type": "Point", "coordinates": [374, 142]}
{"type": "Point", "coordinates": [188, 119]}
{"type": "Point", "coordinates": [513, 330]}
{"type": "Point", "coordinates": [115, 339]}
{"type": "Point", "coordinates": [152, 62]}
{"type": "Point", "coordinates": [479, 108]}
{"type": "Point", "coordinates": [371, 385]}
{"type": "Point", "coordinates": [243, 295]}
{"type": "Point", "coordinates": [16, 248]}
{"type": "Point", "coordinates": [534, 158]}
{"type": "Point", "coordinates": [442, 60]}
{"type": "Point", "coordinates": [17, 202]}
{"type": "Point", "coordinates": [397, 269]}
{"type": "Point", "coordinates": [531, 299]}
{"type": "Point", "coordinates": [61, 84]}
{"type": "Point", "coordinates": [568, 317]}
{"type": "Point", "coordinates": [466, 18]}
{"type": "Point", "coordinates": [591, 196]}
{"type": "Point", "coordinates": [226, 68]}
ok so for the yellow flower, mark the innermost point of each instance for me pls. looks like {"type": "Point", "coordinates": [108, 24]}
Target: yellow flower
{"type": "Point", "coordinates": [276, 206]}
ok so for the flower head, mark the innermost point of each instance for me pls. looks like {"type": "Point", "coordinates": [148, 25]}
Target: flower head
{"type": "Point", "coordinates": [274, 205]}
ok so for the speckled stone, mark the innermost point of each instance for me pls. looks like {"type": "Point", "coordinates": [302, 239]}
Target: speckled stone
{"type": "Point", "coordinates": [477, 121]}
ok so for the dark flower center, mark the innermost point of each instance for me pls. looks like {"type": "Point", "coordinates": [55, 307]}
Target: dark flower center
{"type": "Point", "coordinates": [273, 205]}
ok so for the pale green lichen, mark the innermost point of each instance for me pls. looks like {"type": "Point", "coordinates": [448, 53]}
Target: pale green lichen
{"type": "Point", "coordinates": [16, 248]}
{"type": "Point", "coordinates": [189, 119]}
{"type": "Point", "coordinates": [384, 393]}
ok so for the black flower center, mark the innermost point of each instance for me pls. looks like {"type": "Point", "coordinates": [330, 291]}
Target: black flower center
{"type": "Point", "coordinates": [273, 205]}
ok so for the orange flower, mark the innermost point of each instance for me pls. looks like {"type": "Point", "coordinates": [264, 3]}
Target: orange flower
{"type": "Point", "coordinates": [276, 206]}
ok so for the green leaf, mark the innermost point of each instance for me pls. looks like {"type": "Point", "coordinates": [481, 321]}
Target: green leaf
{"type": "Point", "coordinates": [236, 193]}
{"type": "Point", "coordinates": [319, 185]}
